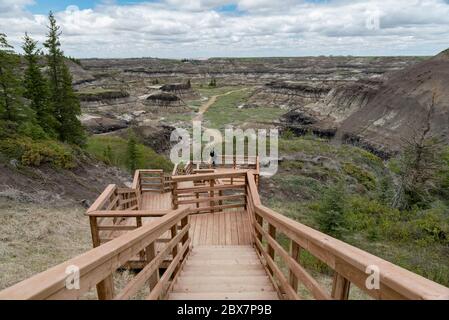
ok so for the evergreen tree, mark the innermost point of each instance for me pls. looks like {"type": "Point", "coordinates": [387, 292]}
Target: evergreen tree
{"type": "Point", "coordinates": [132, 153]}
{"type": "Point", "coordinates": [331, 212]}
{"type": "Point", "coordinates": [71, 129]}
{"type": "Point", "coordinates": [11, 106]}
{"type": "Point", "coordinates": [36, 88]}
{"type": "Point", "coordinates": [62, 97]}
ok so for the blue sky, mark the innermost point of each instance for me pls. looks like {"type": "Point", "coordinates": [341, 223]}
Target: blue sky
{"type": "Point", "coordinates": [242, 28]}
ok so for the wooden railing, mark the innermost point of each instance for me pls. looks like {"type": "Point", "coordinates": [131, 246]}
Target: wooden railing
{"type": "Point", "coordinates": [351, 265]}
{"type": "Point", "coordinates": [181, 169]}
{"type": "Point", "coordinates": [208, 194]}
{"type": "Point", "coordinates": [97, 267]}
{"type": "Point", "coordinates": [152, 181]}
{"type": "Point", "coordinates": [115, 213]}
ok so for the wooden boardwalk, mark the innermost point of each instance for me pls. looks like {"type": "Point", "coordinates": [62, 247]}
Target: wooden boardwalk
{"type": "Point", "coordinates": [205, 234]}
{"type": "Point", "coordinates": [223, 273]}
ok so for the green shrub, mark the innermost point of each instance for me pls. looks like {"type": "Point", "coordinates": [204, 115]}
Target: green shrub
{"type": "Point", "coordinates": [33, 131]}
{"type": "Point", "coordinates": [35, 153]}
{"type": "Point", "coordinates": [364, 177]}
{"type": "Point", "coordinates": [117, 155]}
{"type": "Point", "coordinates": [431, 226]}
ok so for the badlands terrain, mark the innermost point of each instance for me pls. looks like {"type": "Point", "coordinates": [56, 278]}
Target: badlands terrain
{"type": "Point", "coordinates": [315, 94]}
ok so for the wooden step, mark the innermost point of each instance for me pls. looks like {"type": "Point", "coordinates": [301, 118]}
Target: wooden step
{"type": "Point", "coordinates": [224, 296]}
{"type": "Point", "coordinates": [227, 273]}
{"type": "Point", "coordinates": [223, 273]}
{"type": "Point", "coordinates": [224, 268]}
{"type": "Point", "coordinates": [207, 279]}
{"type": "Point", "coordinates": [213, 256]}
{"type": "Point", "coordinates": [222, 287]}
{"type": "Point", "coordinates": [237, 261]}
{"type": "Point", "coordinates": [223, 248]}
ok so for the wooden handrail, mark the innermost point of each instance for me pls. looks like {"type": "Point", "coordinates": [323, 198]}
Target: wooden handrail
{"type": "Point", "coordinates": [97, 264]}
{"type": "Point", "coordinates": [128, 213]}
{"type": "Point", "coordinates": [210, 176]}
{"type": "Point", "coordinates": [351, 265]}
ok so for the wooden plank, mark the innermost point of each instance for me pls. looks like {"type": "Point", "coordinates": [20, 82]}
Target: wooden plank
{"type": "Point", "coordinates": [329, 250]}
{"type": "Point", "coordinates": [190, 190]}
{"type": "Point", "coordinates": [210, 176]}
{"type": "Point", "coordinates": [116, 228]}
{"type": "Point", "coordinates": [103, 198]}
{"type": "Point", "coordinates": [129, 213]}
{"type": "Point", "coordinates": [340, 287]}
{"type": "Point", "coordinates": [209, 209]}
{"type": "Point", "coordinates": [214, 199]}
{"type": "Point", "coordinates": [137, 282]}
{"type": "Point", "coordinates": [160, 287]}
{"type": "Point", "coordinates": [291, 294]}
{"type": "Point", "coordinates": [234, 233]}
{"type": "Point", "coordinates": [294, 253]}
{"type": "Point", "coordinates": [308, 281]}
{"type": "Point", "coordinates": [94, 265]}
{"type": "Point", "coordinates": [216, 234]}
{"type": "Point", "coordinates": [222, 228]}
{"type": "Point", "coordinates": [228, 228]}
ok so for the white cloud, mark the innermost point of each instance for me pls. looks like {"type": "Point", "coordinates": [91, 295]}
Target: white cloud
{"type": "Point", "coordinates": [195, 28]}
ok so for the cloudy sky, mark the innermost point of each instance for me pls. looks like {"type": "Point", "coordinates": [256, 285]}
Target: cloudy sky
{"type": "Point", "coordinates": [209, 28]}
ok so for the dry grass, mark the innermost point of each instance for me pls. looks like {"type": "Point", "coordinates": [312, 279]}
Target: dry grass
{"type": "Point", "coordinates": [36, 236]}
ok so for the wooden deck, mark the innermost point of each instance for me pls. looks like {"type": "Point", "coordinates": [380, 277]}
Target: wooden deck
{"type": "Point", "coordinates": [221, 228]}
{"type": "Point", "coordinates": [206, 235]}
{"type": "Point", "coordinates": [229, 228]}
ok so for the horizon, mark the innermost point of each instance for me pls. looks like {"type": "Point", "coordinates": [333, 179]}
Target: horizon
{"type": "Point", "coordinates": [205, 29]}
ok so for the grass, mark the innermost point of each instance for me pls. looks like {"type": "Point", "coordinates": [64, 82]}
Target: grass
{"type": "Point", "coordinates": [416, 239]}
{"type": "Point", "coordinates": [57, 233]}
{"type": "Point", "coordinates": [225, 111]}
{"type": "Point", "coordinates": [148, 159]}
{"type": "Point", "coordinates": [208, 92]}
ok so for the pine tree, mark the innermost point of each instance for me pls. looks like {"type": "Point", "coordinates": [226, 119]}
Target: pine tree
{"type": "Point", "coordinates": [331, 212]}
{"type": "Point", "coordinates": [36, 88]}
{"type": "Point", "coordinates": [132, 153]}
{"type": "Point", "coordinates": [11, 106]}
{"type": "Point", "coordinates": [62, 97]}
{"type": "Point", "coordinates": [71, 129]}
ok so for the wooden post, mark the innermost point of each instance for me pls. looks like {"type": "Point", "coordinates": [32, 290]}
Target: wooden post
{"type": "Point", "coordinates": [184, 222]}
{"type": "Point", "coordinates": [259, 220]}
{"type": "Point", "coordinates": [340, 287]}
{"type": "Point", "coordinates": [270, 250]}
{"type": "Point", "coordinates": [294, 252]}
{"type": "Point", "coordinates": [212, 194]}
{"type": "Point", "coordinates": [197, 198]}
{"type": "Point", "coordinates": [94, 231]}
{"type": "Point", "coordinates": [139, 224]}
{"type": "Point", "coordinates": [105, 288]}
{"type": "Point", "coordinates": [220, 203]}
{"type": "Point", "coordinates": [174, 231]}
{"type": "Point", "coordinates": [162, 182]}
{"type": "Point", "coordinates": [246, 192]}
{"type": "Point", "coordinates": [175, 196]}
{"type": "Point", "coordinates": [150, 255]}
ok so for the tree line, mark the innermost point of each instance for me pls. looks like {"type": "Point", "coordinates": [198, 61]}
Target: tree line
{"type": "Point", "coordinates": [40, 104]}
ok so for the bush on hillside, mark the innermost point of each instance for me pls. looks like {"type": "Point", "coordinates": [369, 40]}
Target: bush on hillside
{"type": "Point", "coordinates": [37, 152]}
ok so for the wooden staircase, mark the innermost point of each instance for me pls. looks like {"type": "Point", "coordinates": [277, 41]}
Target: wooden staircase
{"type": "Point", "coordinates": [223, 273]}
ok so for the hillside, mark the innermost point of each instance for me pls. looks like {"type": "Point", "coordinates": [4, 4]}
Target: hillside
{"type": "Point", "coordinates": [403, 106]}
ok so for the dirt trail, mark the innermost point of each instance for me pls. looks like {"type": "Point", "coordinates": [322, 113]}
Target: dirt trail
{"type": "Point", "coordinates": [203, 109]}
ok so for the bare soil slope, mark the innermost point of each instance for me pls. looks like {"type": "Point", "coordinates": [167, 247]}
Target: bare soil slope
{"type": "Point", "coordinates": [402, 106]}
